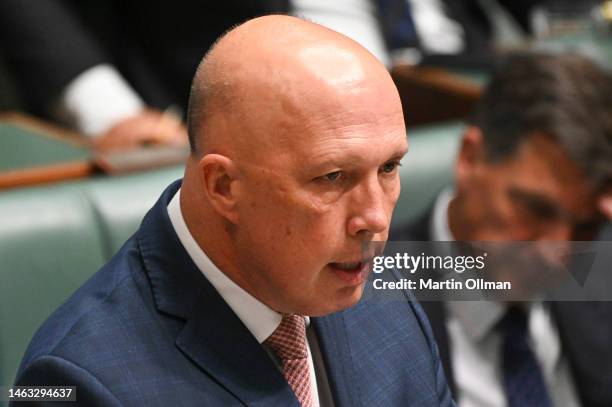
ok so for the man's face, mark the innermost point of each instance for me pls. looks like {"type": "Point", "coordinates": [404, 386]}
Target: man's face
{"type": "Point", "coordinates": [327, 183]}
{"type": "Point", "coordinates": [536, 194]}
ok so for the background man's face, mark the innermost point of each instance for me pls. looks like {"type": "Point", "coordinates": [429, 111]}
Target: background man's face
{"type": "Point", "coordinates": [536, 194]}
{"type": "Point", "coordinates": [328, 183]}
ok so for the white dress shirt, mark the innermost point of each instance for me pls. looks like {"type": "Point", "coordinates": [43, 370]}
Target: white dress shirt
{"type": "Point", "coordinates": [259, 319]}
{"type": "Point", "coordinates": [97, 99]}
{"type": "Point", "coordinates": [475, 345]}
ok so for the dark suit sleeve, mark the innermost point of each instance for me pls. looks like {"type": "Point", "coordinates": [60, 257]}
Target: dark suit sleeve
{"type": "Point", "coordinates": [56, 371]}
{"type": "Point", "coordinates": [46, 45]}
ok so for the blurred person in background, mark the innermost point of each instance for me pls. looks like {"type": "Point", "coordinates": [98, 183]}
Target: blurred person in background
{"type": "Point", "coordinates": [465, 33]}
{"type": "Point", "coordinates": [535, 164]}
{"type": "Point", "coordinates": [119, 71]}
{"type": "Point", "coordinates": [452, 33]}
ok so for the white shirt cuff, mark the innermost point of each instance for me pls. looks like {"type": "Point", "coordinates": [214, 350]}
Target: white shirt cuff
{"type": "Point", "coordinates": [98, 99]}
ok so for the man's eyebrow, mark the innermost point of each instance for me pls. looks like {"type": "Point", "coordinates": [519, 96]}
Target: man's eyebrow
{"type": "Point", "coordinates": [353, 159]}
{"type": "Point", "coordinates": [398, 154]}
{"type": "Point", "coordinates": [540, 204]}
{"type": "Point", "coordinates": [402, 152]}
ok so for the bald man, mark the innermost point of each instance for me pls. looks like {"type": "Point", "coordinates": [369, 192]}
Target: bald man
{"type": "Point", "coordinates": [243, 284]}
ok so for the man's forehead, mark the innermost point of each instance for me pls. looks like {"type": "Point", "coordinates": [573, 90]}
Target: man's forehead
{"type": "Point", "coordinates": [542, 160]}
{"type": "Point", "coordinates": [330, 121]}
{"type": "Point", "coordinates": [342, 67]}
{"type": "Point", "coordinates": [360, 147]}
{"type": "Point", "coordinates": [315, 159]}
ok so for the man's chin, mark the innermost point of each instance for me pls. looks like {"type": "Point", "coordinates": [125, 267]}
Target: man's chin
{"type": "Point", "coordinates": [345, 298]}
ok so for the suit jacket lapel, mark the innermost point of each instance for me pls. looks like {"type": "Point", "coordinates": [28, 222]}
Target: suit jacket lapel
{"type": "Point", "coordinates": [437, 319]}
{"type": "Point", "coordinates": [420, 231]}
{"type": "Point", "coordinates": [213, 337]}
{"type": "Point", "coordinates": [218, 342]}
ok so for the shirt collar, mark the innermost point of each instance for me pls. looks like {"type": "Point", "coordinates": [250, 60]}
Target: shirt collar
{"type": "Point", "coordinates": [477, 317]}
{"type": "Point", "coordinates": [259, 319]}
{"type": "Point", "coordinates": [438, 227]}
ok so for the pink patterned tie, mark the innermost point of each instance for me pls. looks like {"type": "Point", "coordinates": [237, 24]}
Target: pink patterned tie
{"type": "Point", "coordinates": [289, 343]}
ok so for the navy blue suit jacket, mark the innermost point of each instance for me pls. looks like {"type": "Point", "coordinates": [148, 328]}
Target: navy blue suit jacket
{"type": "Point", "coordinates": [149, 329]}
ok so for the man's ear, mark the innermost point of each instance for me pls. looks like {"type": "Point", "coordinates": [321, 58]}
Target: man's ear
{"type": "Point", "coordinates": [605, 204]}
{"type": "Point", "coordinates": [471, 154]}
{"type": "Point", "coordinates": [219, 182]}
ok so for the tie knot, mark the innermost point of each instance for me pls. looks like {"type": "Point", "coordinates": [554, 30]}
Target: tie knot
{"type": "Point", "coordinates": [289, 339]}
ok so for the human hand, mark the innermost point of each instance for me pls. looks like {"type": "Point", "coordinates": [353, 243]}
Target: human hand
{"type": "Point", "coordinates": [148, 127]}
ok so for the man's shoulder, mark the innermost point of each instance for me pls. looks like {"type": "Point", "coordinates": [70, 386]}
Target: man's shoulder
{"type": "Point", "coordinates": [105, 305]}
{"type": "Point", "coordinates": [114, 342]}
{"type": "Point", "coordinates": [389, 335]}
{"type": "Point", "coordinates": [397, 310]}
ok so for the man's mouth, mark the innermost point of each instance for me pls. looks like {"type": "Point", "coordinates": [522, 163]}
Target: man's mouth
{"type": "Point", "coordinates": [352, 272]}
{"type": "Point", "coordinates": [347, 266]}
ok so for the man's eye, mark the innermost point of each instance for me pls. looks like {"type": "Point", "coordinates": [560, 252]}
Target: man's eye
{"type": "Point", "coordinates": [332, 176]}
{"type": "Point", "coordinates": [390, 166]}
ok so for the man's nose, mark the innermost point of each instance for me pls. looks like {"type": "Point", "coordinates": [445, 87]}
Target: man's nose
{"type": "Point", "coordinates": [368, 210]}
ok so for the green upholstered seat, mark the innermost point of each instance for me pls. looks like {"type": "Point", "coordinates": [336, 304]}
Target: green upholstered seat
{"type": "Point", "coordinates": [121, 202]}
{"type": "Point", "coordinates": [49, 245]}
{"type": "Point", "coordinates": [426, 169]}
{"type": "Point", "coordinates": [41, 151]}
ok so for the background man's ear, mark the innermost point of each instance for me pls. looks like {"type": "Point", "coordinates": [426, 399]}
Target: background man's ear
{"type": "Point", "coordinates": [605, 204]}
{"type": "Point", "coordinates": [220, 184]}
{"type": "Point", "coordinates": [471, 153]}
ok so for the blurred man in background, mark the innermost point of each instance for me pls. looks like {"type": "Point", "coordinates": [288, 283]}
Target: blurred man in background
{"type": "Point", "coordinates": [534, 164]}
